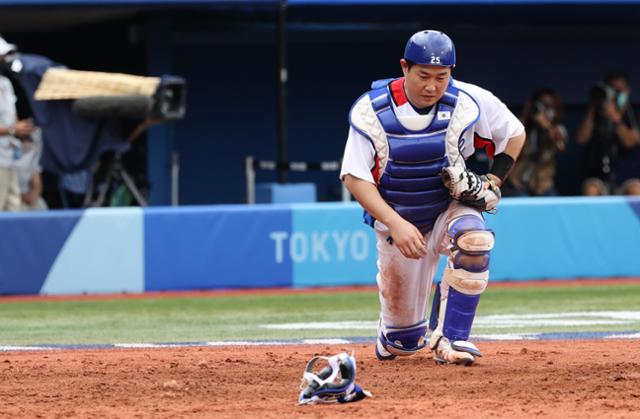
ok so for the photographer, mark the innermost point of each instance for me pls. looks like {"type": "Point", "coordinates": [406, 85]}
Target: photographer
{"type": "Point", "coordinates": [609, 131]}
{"type": "Point", "coordinates": [535, 170]}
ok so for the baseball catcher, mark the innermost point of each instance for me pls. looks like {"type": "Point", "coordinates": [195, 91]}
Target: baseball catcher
{"type": "Point", "coordinates": [404, 162]}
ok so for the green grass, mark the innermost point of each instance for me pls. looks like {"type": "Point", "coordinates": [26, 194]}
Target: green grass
{"type": "Point", "coordinates": [560, 299]}
{"type": "Point", "coordinates": [240, 317]}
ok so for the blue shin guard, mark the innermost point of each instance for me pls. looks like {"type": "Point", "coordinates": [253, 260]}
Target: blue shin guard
{"type": "Point", "coordinates": [452, 318]}
{"type": "Point", "coordinates": [405, 341]}
{"type": "Point", "coordinates": [459, 315]}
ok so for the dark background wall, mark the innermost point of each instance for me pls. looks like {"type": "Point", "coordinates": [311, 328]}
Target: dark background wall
{"type": "Point", "coordinates": [228, 58]}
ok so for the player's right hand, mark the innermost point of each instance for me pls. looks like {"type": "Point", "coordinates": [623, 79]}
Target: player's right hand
{"type": "Point", "coordinates": [408, 239]}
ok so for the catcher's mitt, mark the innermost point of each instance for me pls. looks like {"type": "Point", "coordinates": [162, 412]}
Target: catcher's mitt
{"type": "Point", "coordinates": [477, 191]}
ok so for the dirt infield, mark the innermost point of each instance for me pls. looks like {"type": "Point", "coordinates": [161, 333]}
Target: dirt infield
{"type": "Point", "coordinates": [559, 379]}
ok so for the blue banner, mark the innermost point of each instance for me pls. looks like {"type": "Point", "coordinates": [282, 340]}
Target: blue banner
{"type": "Point", "coordinates": [29, 246]}
{"type": "Point", "coordinates": [547, 238]}
{"type": "Point", "coordinates": [216, 247]}
{"type": "Point", "coordinates": [301, 245]}
{"type": "Point", "coordinates": [330, 245]}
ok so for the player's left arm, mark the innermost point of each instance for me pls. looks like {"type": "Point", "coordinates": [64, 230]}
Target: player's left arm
{"type": "Point", "coordinates": [503, 162]}
{"type": "Point", "coordinates": [507, 132]}
{"type": "Point", "coordinates": [508, 136]}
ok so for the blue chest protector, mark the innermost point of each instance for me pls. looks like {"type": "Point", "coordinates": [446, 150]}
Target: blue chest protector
{"type": "Point", "coordinates": [411, 182]}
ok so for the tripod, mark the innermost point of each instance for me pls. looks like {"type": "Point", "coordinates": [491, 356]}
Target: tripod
{"type": "Point", "coordinates": [115, 176]}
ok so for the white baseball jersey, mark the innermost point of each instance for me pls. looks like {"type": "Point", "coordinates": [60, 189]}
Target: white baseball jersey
{"type": "Point", "coordinates": [492, 130]}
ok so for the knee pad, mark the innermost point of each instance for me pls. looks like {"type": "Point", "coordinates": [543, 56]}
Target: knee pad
{"type": "Point", "coordinates": [403, 341]}
{"type": "Point", "coordinates": [468, 266]}
{"type": "Point", "coordinates": [469, 234]}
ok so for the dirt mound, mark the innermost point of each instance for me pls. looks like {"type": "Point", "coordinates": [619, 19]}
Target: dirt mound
{"type": "Point", "coordinates": [559, 379]}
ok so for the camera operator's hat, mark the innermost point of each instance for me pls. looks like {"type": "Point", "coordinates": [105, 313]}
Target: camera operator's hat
{"type": "Point", "coordinates": [6, 47]}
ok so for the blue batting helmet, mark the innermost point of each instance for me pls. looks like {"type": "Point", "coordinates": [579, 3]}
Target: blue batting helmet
{"type": "Point", "coordinates": [431, 48]}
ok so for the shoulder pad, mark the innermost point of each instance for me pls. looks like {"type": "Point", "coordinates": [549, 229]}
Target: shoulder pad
{"type": "Point", "coordinates": [464, 116]}
{"type": "Point", "coordinates": [364, 120]}
{"type": "Point", "coordinates": [381, 83]}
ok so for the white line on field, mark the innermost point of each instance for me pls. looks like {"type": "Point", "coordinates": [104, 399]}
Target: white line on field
{"type": "Point", "coordinates": [322, 325]}
{"type": "Point", "coordinates": [27, 348]}
{"type": "Point", "coordinates": [146, 345]}
{"type": "Point", "coordinates": [631, 336]}
{"type": "Point", "coordinates": [620, 315]}
{"type": "Point", "coordinates": [504, 324]}
{"type": "Point", "coordinates": [325, 341]}
{"type": "Point", "coordinates": [261, 343]}
{"type": "Point", "coordinates": [507, 336]}
{"type": "Point", "coordinates": [489, 337]}
{"type": "Point", "coordinates": [247, 343]}
{"type": "Point", "coordinates": [497, 321]}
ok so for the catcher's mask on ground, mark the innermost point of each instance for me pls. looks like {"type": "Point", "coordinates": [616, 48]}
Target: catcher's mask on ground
{"type": "Point", "coordinates": [333, 383]}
